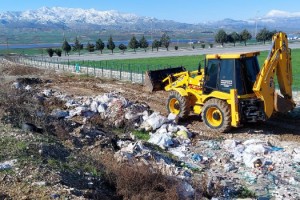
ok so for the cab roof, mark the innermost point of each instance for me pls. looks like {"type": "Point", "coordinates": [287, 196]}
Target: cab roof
{"type": "Point", "coordinates": [232, 55]}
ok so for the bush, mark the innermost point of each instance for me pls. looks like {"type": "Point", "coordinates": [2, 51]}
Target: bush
{"type": "Point", "coordinates": [58, 52]}
{"type": "Point", "coordinates": [211, 45]}
{"type": "Point", "coordinates": [176, 48]}
{"type": "Point", "coordinates": [139, 182]}
{"type": "Point", "coordinates": [90, 47]}
{"type": "Point", "coordinates": [202, 46]}
{"type": "Point", "coordinates": [122, 47]}
{"type": "Point", "coordinates": [50, 52]}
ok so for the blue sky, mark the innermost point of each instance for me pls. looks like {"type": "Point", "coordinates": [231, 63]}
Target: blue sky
{"type": "Point", "coordinates": [188, 11]}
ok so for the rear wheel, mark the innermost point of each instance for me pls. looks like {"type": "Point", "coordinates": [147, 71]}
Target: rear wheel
{"type": "Point", "coordinates": [216, 115]}
{"type": "Point", "coordinates": [178, 105]}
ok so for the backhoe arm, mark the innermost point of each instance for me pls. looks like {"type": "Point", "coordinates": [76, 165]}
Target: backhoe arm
{"type": "Point", "coordinates": [279, 61]}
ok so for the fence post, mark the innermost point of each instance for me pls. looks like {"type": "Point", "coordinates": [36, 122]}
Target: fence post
{"type": "Point", "coordinates": [121, 72]}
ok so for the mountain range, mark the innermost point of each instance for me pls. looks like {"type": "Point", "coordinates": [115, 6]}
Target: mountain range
{"type": "Point", "coordinates": [70, 18]}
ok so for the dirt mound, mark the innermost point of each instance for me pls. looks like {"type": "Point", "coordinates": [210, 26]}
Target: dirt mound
{"type": "Point", "coordinates": [11, 69]}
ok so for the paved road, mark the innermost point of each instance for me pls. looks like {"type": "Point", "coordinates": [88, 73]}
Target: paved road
{"type": "Point", "coordinates": [181, 52]}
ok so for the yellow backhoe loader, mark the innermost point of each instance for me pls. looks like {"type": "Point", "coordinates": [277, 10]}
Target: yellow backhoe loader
{"type": "Point", "coordinates": [231, 90]}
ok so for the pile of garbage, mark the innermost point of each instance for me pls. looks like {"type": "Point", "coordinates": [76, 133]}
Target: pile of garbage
{"type": "Point", "coordinates": [267, 169]}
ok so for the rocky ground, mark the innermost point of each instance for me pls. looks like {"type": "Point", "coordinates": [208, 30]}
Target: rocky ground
{"type": "Point", "coordinates": [69, 136]}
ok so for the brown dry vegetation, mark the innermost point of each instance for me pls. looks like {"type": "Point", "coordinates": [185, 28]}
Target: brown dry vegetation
{"type": "Point", "coordinates": [57, 157]}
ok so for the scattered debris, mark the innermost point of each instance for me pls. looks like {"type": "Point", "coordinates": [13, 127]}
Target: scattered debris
{"type": "Point", "coordinates": [7, 164]}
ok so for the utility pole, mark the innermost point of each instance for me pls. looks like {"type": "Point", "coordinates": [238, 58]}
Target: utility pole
{"type": "Point", "coordinates": [7, 45]}
{"type": "Point", "coordinates": [151, 31]}
{"type": "Point", "coordinates": [256, 19]}
{"type": "Point", "coordinates": [151, 34]}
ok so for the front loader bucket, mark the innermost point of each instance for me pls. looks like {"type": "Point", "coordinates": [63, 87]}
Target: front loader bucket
{"type": "Point", "coordinates": [154, 78]}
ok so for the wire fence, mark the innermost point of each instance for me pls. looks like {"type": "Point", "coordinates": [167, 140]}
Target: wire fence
{"type": "Point", "coordinates": [120, 71]}
{"type": "Point", "coordinates": [126, 72]}
{"type": "Point", "coordinates": [103, 70]}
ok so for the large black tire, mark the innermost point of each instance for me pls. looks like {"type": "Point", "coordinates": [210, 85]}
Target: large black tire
{"type": "Point", "coordinates": [216, 115]}
{"type": "Point", "coordinates": [178, 105]}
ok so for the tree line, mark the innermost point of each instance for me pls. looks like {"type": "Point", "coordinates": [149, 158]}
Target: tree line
{"type": "Point", "coordinates": [234, 37]}
{"type": "Point", "coordinates": [99, 45]}
{"type": "Point", "coordinates": [220, 37]}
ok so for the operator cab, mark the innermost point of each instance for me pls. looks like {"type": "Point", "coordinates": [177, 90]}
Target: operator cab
{"type": "Point", "coordinates": [231, 71]}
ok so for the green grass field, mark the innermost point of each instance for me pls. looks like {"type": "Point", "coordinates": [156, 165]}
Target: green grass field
{"type": "Point", "coordinates": [190, 62]}
{"type": "Point", "coordinates": [143, 64]}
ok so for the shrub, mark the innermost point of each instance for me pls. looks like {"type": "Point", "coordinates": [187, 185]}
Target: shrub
{"type": "Point", "coordinates": [139, 182]}
{"type": "Point", "coordinates": [58, 52]}
{"type": "Point", "coordinates": [50, 52]}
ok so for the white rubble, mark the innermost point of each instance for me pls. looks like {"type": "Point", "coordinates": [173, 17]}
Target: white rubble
{"type": "Point", "coordinates": [7, 164]}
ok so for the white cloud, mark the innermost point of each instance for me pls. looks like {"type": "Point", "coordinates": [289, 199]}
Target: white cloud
{"type": "Point", "coordinates": [280, 13]}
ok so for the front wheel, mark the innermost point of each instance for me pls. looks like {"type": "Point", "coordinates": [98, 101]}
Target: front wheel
{"type": "Point", "coordinates": [178, 105]}
{"type": "Point", "coordinates": [216, 115]}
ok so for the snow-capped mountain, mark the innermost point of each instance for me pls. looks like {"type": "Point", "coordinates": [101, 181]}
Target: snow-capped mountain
{"type": "Point", "coordinates": [69, 17]}
{"type": "Point", "coordinates": [58, 17]}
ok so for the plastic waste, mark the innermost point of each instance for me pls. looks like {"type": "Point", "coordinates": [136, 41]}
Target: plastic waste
{"type": "Point", "coordinates": [183, 134]}
{"type": "Point", "coordinates": [155, 120]}
{"type": "Point", "coordinates": [296, 158]}
{"type": "Point", "coordinates": [172, 128]}
{"type": "Point", "coordinates": [102, 108]}
{"type": "Point", "coordinates": [94, 106]}
{"type": "Point", "coordinates": [7, 164]}
{"type": "Point", "coordinates": [171, 116]}
{"type": "Point", "coordinates": [178, 151]}
{"type": "Point", "coordinates": [17, 85]}
{"type": "Point", "coordinates": [59, 113]}
{"type": "Point", "coordinates": [252, 161]}
{"type": "Point", "coordinates": [104, 98]}
{"type": "Point", "coordinates": [197, 157]}
{"type": "Point", "coordinates": [230, 144]}
{"type": "Point", "coordinates": [47, 93]}
{"type": "Point", "coordinates": [297, 150]}
{"type": "Point", "coordinates": [257, 149]}
{"type": "Point", "coordinates": [254, 141]}
{"type": "Point", "coordinates": [161, 139]}
{"type": "Point", "coordinates": [250, 177]}
{"type": "Point", "coordinates": [229, 167]}
{"type": "Point", "coordinates": [276, 148]}
{"type": "Point", "coordinates": [28, 87]}
{"type": "Point", "coordinates": [77, 111]}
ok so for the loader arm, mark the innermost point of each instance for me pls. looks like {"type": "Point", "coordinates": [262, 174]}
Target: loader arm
{"type": "Point", "coordinates": [279, 61]}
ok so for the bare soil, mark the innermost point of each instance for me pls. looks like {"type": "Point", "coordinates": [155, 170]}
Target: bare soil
{"type": "Point", "coordinates": [285, 126]}
{"type": "Point", "coordinates": [280, 127]}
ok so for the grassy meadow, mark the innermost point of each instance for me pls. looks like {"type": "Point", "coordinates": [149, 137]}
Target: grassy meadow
{"type": "Point", "coordinates": [143, 64]}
